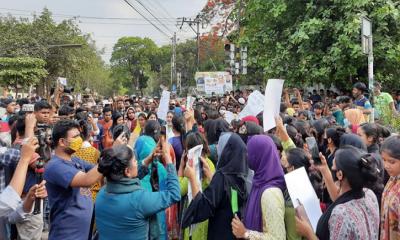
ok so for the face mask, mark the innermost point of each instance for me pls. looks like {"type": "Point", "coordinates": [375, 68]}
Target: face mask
{"type": "Point", "coordinates": [75, 144]}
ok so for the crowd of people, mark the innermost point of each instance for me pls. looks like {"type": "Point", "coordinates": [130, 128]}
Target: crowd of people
{"type": "Point", "coordinates": [114, 169]}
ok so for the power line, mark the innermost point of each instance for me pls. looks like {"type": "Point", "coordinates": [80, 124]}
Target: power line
{"type": "Point", "coordinates": [163, 8]}
{"type": "Point", "coordinates": [168, 18]}
{"type": "Point", "coordinates": [79, 16]}
{"type": "Point", "coordinates": [140, 2]}
{"type": "Point", "coordinates": [146, 18]}
{"type": "Point", "coordinates": [113, 23]}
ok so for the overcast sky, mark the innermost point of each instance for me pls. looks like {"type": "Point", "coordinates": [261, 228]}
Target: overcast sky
{"type": "Point", "coordinates": [91, 14]}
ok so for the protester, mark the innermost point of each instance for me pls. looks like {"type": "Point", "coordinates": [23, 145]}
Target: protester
{"type": "Point", "coordinates": [123, 206]}
{"type": "Point", "coordinates": [130, 118]}
{"type": "Point", "coordinates": [214, 202]}
{"type": "Point", "coordinates": [177, 140]}
{"type": "Point", "coordinates": [384, 104]}
{"type": "Point", "coordinates": [198, 231]}
{"type": "Point", "coordinates": [355, 210]}
{"type": "Point", "coordinates": [68, 181]}
{"type": "Point", "coordinates": [390, 211]}
{"type": "Point", "coordinates": [106, 125]}
{"type": "Point", "coordinates": [265, 210]}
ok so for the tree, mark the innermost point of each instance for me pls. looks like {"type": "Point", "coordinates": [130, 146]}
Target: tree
{"type": "Point", "coordinates": [131, 61]}
{"type": "Point", "coordinates": [319, 41]}
{"type": "Point", "coordinates": [25, 38]}
{"type": "Point", "coordinates": [21, 71]}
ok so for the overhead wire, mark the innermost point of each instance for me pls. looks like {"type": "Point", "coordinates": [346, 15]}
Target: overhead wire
{"type": "Point", "coordinates": [141, 14]}
{"type": "Point", "coordinates": [146, 8]}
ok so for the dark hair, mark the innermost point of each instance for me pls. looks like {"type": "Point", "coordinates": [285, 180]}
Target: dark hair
{"type": "Point", "coordinates": [178, 125]}
{"type": "Point", "coordinates": [360, 86]}
{"type": "Point", "coordinates": [319, 105]}
{"type": "Point", "coordinates": [358, 167]}
{"type": "Point", "coordinates": [60, 130]}
{"type": "Point", "coordinates": [391, 146]}
{"type": "Point", "coordinates": [335, 133]}
{"type": "Point", "coordinates": [84, 129]}
{"type": "Point", "coordinates": [113, 162]}
{"type": "Point", "coordinates": [295, 136]}
{"type": "Point", "coordinates": [41, 105]}
{"type": "Point", "coordinates": [298, 158]}
{"type": "Point", "coordinates": [143, 115]}
{"type": "Point", "coordinates": [22, 101]}
{"type": "Point", "coordinates": [152, 113]}
{"type": "Point", "coordinates": [195, 138]}
{"type": "Point", "coordinates": [277, 142]}
{"type": "Point", "coordinates": [107, 109]}
{"type": "Point", "coordinates": [153, 129]}
{"type": "Point", "coordinates": [65, 110]}
{"type": "Point", "coordinates": [117, 130]}
{"type": "Point", "coordinates": [371, 130]}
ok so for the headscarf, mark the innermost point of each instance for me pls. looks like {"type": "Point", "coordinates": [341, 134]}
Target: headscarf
{"type": "Point", "coordinates": [131, 123]}
{"type": "Point", "coordinates": [353, 140]}
{"type": "Point", "coordinates": [354, 116]}
{"type": "Point", "coordinates": [264, 161]}
{"type": "Point", "coordinates": [232, 163]}
{"type": "Point", "coordinates": [251, 119]}
{"type": "Point", "coordinates": [214, 128]}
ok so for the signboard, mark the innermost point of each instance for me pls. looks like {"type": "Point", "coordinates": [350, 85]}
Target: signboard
{"type": "Point", "coordinates": [213, 82]}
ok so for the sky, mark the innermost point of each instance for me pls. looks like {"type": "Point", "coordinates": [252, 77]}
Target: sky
{"type": "Point", "coordinates": [90, 16]}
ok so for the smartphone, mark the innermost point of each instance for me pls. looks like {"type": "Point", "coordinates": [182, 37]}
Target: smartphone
{"type": "Point", "coordinates": [313, 148]}
{"type": "Point", "coordinates": [163, 131]}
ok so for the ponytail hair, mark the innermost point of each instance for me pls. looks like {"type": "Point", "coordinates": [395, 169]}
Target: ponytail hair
{"type": "Point", "coordinates": [359, 168]}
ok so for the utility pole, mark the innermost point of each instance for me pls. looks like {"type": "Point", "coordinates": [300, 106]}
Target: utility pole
{"type": "Point", "coordinates": [173, 60]}
{"type": "Point", "coordinates": [367, 47]}
{"type": "Point", "coordinates": [196, 22]}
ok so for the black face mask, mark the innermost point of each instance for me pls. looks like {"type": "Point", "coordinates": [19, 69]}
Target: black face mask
{"type": "Point", "coordinates": [335, 179]}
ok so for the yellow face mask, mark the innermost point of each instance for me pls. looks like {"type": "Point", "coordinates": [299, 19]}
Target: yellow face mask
{"type": "Point", "coordinates": [75, 144]}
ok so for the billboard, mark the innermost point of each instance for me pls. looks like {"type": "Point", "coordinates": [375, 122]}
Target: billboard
{"type": "Point", "coordinates": [213, 82]}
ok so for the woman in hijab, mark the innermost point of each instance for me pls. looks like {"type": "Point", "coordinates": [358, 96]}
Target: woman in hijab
{"type": "Point", "coordinates": [214, 203]}
{"type": "Point", "coordinates": [265, 211]}
{"type": "Point", "coordinates": [354, 117]}
{"type": "Point", "coordinates": [131, 119]}
{"type": "Point", "coordinates": [213, 129]}
{"type": "Point", "coordinates": [353, 140]}
{"type": "Point", "coordinates": [354, 214]}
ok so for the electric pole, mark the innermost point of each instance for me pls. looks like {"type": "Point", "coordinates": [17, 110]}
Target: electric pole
{"type": "Point", "coordinates": [173, 60]}
{"type": "Point", "coordinates": [196, 22]}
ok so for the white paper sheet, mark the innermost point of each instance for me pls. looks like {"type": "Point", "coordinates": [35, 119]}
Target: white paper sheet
{"type": "Point", "coordinates": [299, 187]}
{"type": "Point", "coordinates": [272, 102]}
{"type": "Point", "coordinates": [255, 105]}
{"type": "Point", "coordinates": [195, 154]}
{"type": "Point", "coordinates": [62, 81]}
{"type": "Point", "coordinates": [163, 107]}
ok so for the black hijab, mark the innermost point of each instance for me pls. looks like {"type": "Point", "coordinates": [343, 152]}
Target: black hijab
{"type": "Point", "coordinates": [214, 128]}
{"type": "Point", "coordinates": [152, 129]}
{"type": "Point", "coordinates": [352, 140]}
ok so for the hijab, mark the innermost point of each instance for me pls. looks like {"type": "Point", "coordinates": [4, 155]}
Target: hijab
{"type": "Point", "coordinates": [232, 163]}
{"type": "Point", "coordinates": [214, 128]}
{"type": "Point", "coordinates": [264, 160]}
{"type": "Point", "coordinates": [354, 116]}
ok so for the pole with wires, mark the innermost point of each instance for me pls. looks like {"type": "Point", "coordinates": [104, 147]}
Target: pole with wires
{"type": "Point", "coordinates": [191, 22]}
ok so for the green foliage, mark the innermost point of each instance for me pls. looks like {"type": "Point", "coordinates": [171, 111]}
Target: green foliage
{"type": "Point", "coordinates": [82, 66]}
{"type": "Point", "coordinates": [319, 41]}
{"type": "Point", "coordinates": [22, 71]}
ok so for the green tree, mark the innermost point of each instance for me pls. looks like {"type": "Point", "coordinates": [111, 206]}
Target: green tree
{"type": "Point", "coordinates": [21, 71]}
{"type": "Point", "coordinates": [319, 41]}
{"type": "Point", "coordinates": [35, 38]}
{"type": "Point", "coordinates": [132, 61]}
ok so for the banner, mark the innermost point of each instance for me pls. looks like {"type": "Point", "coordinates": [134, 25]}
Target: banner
{"type": "Point", "coordinates": [213, 82]}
